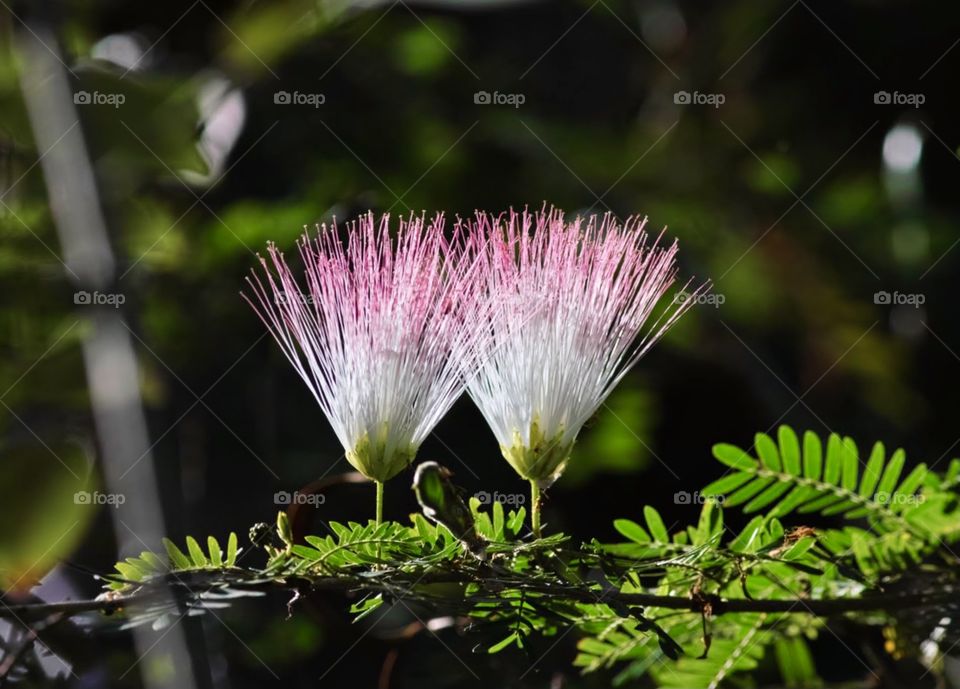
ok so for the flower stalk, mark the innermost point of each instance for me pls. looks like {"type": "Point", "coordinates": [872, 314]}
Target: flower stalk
{"type": "Point", "coordinates": [535, 508]}
{"type": "Point", "coordinates": [379, 509]}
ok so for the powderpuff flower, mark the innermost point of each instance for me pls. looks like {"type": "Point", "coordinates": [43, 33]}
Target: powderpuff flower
{"type": "Point", "coordinates": [374, 332]}
{"type": "Point", "coordinates": [568, 313]}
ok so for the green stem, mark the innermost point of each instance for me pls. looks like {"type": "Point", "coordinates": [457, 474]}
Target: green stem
{"type": "Point", "coordinates": [535, 508]}
{"type": "Point", "coordinates": [379, 502]}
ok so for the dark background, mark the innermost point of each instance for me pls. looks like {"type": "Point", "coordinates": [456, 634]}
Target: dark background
{"type": "Point", "coordinates": [788, 196]}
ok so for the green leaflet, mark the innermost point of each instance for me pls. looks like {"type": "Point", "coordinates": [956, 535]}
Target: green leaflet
{"type": "Point", "coordinates": [786, 478]}
{"type": "Point", "coordinates": [655, 524]}
{"type": "Point", "coordinates": [796, 663]}
{"type": "Point", "coordinates": [136, 570]}
{"type": "Point", "coordinates": [632, 530]}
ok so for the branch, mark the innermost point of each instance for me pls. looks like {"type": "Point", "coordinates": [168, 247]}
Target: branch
{"type": "Point", "coordinates": [820, 607]}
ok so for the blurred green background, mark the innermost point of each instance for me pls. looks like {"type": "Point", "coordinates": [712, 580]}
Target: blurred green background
{"type": "Point", "coordinates": [804, 153]}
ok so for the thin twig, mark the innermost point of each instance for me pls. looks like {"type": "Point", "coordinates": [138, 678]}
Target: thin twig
{"type": "Point", "coordinates": [30, 636]}
{"type": "Point", "coordinates": [820, 607]}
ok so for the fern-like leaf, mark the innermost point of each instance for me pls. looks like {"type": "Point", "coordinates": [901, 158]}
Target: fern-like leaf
{"type": "Point", "coordinates": [783, 479]}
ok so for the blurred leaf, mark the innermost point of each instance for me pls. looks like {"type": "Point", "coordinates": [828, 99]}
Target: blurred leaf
{"type": "Point", "coordinates": [846, 202]}
{"type": "Point", "coordinates": [256, 39]}
{"type": "Point", "coordinates": [615, 441]}
{"type": "Point", "coordinates": [776, 175]}
{"type": "Point", "coordinates": [425, 48]}
{"type": "Point", "coordinates": [146, 126]}
{"type": "Point", "coordinates": [49, 498]}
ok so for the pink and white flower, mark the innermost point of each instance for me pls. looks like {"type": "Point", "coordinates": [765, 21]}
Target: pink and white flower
{"type": "Point", "coordinates": [568, 318]}
{"type": "Point", "coordinates": [374, 332]}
